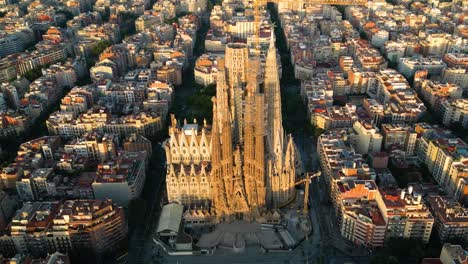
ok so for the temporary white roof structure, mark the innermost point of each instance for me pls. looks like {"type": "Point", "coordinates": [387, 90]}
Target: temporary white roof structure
{"type": "Point", "coordinates": [170, 218]}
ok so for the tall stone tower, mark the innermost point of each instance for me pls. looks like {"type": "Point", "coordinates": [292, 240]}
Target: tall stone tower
{"type": "Point", "coordinates": [238, 168]}
{"type": "Point", "coordinates": [253, 163]}
{"type": "Point", "coordinates": [281, 169]}
{"type": "Point", "coordinates": [237, 62]}
{"type": "Point", "coordinates": [272, 93]}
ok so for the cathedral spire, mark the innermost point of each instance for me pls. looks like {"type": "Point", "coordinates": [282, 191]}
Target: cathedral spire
{"type": "Point", "coordinates": [272, 38]}
{"type": "Point", "coordinates": [215, 140]}
{"type": "Point", "coordinates": [273, 99]}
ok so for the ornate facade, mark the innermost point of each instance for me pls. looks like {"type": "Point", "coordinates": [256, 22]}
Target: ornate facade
{"type": "Point", "coordinates": [188, 156]}
{"type": "Point", "coordinates": [243, 166]}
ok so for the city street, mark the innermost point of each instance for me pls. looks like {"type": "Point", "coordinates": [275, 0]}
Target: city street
{"type": "Point", "coordinates": [153, 196]}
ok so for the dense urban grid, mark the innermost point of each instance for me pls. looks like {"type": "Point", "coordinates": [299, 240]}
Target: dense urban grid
{"type": "Point", "coordinates": [233, 131]}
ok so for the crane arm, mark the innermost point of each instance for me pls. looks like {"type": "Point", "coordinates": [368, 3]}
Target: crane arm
{"type": "Point", "coordinates": [258, 3]}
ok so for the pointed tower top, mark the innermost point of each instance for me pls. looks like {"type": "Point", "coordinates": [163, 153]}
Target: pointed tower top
{"type": "Point", "coordinates": [173, 121]}
{"type": "Point", "coordinates": [272, 38]}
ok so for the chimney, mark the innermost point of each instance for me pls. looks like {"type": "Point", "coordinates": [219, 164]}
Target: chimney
{"type": "Point", "coordinates": [419, 198]}
{"type": "Point", "coordinates": [402, 196]}
{"type": "Point", "coordinates": [410, 189]}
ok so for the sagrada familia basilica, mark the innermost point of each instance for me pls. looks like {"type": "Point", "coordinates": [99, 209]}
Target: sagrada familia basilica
{"type": "Point", "coordinates": [243, 166]}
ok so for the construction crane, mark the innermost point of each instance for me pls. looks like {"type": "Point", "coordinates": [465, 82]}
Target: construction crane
{"type": "Point", "coordinates": [305, 223]}
{"type": "Point", "coordinates": [307, 180]}
{"type": "Point", "coordinates": [315, 2]}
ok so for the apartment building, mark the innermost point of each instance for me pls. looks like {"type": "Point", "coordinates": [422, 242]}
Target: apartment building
{"type": "Point", "coordinates": [70, 226]}
{"type": "Point", "coordinates": [394, 51]}
{"type": "Point", "coordinates": [367, 137]}
{"type": "Point", "coordinates": [37, 185]}
{"type": "Point", "coordinates": [454, 111]}
{"type": "Point", "coordinates": [409, 66]}
{"type": "Point", "coordinates": [75, 103]}
{"type": "Point", "coordinates": [451, 219]}
{"type": "Point", "coordinates": [145, 124]}
{"type": "Point", "coordinates": [453, 254]}
{"type": "Point", "coordinates": [97, 225]}
{"type": "Point", "coordinates": [361, 220]}
{"type": "Point", "coordinates": [148, 20]}
{"type": "Point", "coordinates": [27, 229]}
{"type": "Point", "coordinates": [447, 160]}
{"type": "Point", "coordinates": [66, 125]}
{"type": "Point", "coordinates": [40, 58]}
{"type": "Point", "coordinates": [339, 160]}
{"type": "Point", "coordinates": [10, 44]}
{"type": "Point", "coordinates": [8, 204]}
{"type": "Point", "coordinates": [400, 138]}
{"type": "Point", "coordinates": [9, 175]}
{"type": "Point", "coordinates": [330, 117]}
{"type": "Point", "coordinates": [316, 94]}
{"type": "Point", "coordinates": [7, 69]}
{"type": "Point", "coordinates": [134, 143]}
{"type": "Point", "coordinates": [367, 57]}
{"type": "Point", "coordinates": [206, 69]}
{"type": "Point", "coordinates": [375, 110]}
{"type": "Point", "coordinates": [434, 92]}
{"type": "Point", "coordinates": [403, 105]}
{"type": "Point", "coordinates": [458, 76]}
{"type": "Point", "coordinates": [95, 146]}
{"type": "Point", "coordinates": [170, 73]}
{"type": "Point", "coordinates": [406, 214]}
{"type": "Point", "coordinates": [456, 60]}
{"type": "Point", "coordinates": [122, 178]}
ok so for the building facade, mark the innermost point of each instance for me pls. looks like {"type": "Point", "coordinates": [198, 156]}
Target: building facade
{"type": "Point", "coordinates": [236, 167]}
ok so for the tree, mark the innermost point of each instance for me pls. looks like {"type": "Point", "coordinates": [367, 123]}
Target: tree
{"type": "Point", "coordinates": [399, 250]}
{"type": "Point", "coordinates": [428, 118]}
{"type": "Point", "coordinates": [136, 212]}
{"type": "Point", "coordinates": [363, 35]}
{"type": "Point", "coordinates": [33, 74]}
{"type": "Point", "coordinates": [100, 47]}
{"type": "Point", "coordinates": [127, 26]}
{"type": "Point", "coordinates": [209, 90]}
{"type": "Point", "coordinates": [393, 65]}
{"type": "Point", "coordinates": [68, 15]}
{"type": "Point", "coordinates": [381, 259]}
{"type": "Point", "coordinates": [339, 102]}
{"type": "Point", "coordinates": [105, 16]}
{"type": "Point", "coordinates": [459, 131]}
{"type": "Point", "coordinates": [201, 106]}
{"type": "Point", "coordinates": [318, 132]}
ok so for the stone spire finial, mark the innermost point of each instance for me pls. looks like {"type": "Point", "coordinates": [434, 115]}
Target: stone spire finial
{"type": "Point", "coordinates": [272, 38]}
{"type": "Point", "coordinates": [173, 120]}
